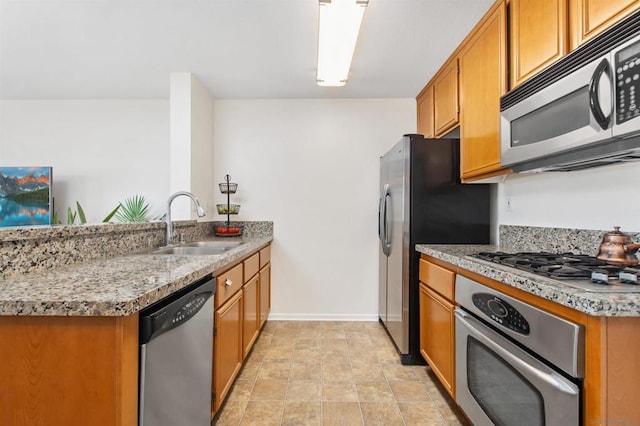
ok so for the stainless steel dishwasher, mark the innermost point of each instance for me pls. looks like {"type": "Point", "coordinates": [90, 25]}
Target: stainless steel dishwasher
{"type": "Point", "coordinates": [176, 350]}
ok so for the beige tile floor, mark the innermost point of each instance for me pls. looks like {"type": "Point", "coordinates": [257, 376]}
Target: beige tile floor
{"type": "Point", "coordinates": [333, 373]}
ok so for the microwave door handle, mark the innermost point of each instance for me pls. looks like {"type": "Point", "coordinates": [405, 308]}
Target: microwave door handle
{"type": "Point", "coordinates": [594, 98]}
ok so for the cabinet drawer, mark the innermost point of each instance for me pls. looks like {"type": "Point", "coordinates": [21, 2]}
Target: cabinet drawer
{"type": "Point", "coordinates": [251, 267]}
{"type": "Point", "coordinates": [265, 256]}
{"type": "Point", "coordinates": [228, 283]}
{"type": "Point", "coordinates": [437, 278]}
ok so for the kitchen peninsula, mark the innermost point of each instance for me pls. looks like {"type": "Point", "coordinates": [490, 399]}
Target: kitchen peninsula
{"type": "Point", "coordinates": [69, 325]}
{"type": "Point", "coordinates": [610, 320]}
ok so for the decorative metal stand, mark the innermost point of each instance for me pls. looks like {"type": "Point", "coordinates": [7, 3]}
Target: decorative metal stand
{"type": "Point", "coordinates": [228, 229]}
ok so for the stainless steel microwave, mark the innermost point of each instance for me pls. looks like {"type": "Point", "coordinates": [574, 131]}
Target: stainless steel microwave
{"type": "Point", "coordinates": [588, 116]}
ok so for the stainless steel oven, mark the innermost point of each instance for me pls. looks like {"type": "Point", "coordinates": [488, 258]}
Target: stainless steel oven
{"type": "Point", "coordinates": [515, 364]}
{"type": "Point", "coordinates": [582, 112]}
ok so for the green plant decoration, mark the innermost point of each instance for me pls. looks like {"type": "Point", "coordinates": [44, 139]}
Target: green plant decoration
{"type": "Point", "coordinates": [133, 209]}
{"type": "Point", "coordinates": [81, 216]}
{"type": "Point", "coordinates": [71, 215]}
{"type": "Point", "coordinates": [110, 215]}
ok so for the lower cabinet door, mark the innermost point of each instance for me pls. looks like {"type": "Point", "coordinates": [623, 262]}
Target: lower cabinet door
{"type": "Point", "coordinates": [265, 293]}
{"type": "Point", "coordinates": [227, 347]}
{"type": "Point", "coordinates": [437, 339]}
{"type": "Point", "coordinates": [251, 317]}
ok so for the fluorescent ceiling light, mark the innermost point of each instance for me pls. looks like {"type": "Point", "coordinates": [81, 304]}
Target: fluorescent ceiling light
{"type": "Point", "coordinates": [339, 26]}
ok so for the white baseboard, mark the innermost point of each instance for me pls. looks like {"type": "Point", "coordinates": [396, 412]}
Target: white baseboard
{"type": "Point", "coordinates": [323, 317]}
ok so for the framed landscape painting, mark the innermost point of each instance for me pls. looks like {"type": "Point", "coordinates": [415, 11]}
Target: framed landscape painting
{"type": "Point", "coordinates": [25, 196]}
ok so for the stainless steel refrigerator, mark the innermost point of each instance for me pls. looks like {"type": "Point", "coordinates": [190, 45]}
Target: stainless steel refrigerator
{"type": "Point", "coordinates": [421, 201]}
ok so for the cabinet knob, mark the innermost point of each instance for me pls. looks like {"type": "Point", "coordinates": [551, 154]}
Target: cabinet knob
{"type": "Point", "coordinates": [228, 282]}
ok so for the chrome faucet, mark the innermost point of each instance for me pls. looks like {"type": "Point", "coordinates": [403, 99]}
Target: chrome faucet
{"type": "Point", "coordinates": [199, 211]}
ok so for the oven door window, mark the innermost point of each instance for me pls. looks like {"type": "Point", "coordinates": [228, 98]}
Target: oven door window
{"type": "Point", "coordinates": [504, 394]}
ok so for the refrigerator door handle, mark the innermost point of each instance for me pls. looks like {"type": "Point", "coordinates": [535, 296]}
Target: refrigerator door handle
{"type": "Point", "coordinates": [381, 217]}
{"type": "Point", "coordinates": [384, 222]}
{"type": "Point", "coordinates": [380, 225]}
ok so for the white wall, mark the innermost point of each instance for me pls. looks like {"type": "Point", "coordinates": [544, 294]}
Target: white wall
{"type": "Point", "coordinates": [312, 167]}
{"type": "Point", "coordinates": [204, 182]}
{"type": "Point", "coordinates": [101, 151]}
{"type": "Point", "coordinates": [597, 198]}
{"type": "Point", "coordinates": [180, 143]}
{"type": "Point", "coordinates": [191, 152]}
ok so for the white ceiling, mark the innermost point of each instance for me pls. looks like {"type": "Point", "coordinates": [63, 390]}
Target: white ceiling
{"type": "Point", "coordinates": [82, 49]}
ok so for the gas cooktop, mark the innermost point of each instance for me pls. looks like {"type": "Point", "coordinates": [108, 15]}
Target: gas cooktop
{"type": "Point", "coordinates": [574, 270]}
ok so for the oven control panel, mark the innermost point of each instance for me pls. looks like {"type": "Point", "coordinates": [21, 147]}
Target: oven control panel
{"type": "Point", "coordinates": [501, 312]}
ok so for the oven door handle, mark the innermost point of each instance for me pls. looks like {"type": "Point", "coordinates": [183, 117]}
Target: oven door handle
{"type": "Point", "coordinates": [543, 374]}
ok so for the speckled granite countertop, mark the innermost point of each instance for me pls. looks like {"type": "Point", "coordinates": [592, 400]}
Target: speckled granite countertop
{"type": "Point", "coordinates": [115, 286]}
{"type": "Point", "coordinates": [597, 304]}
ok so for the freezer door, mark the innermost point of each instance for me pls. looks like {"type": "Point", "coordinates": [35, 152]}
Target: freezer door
{"type": "Point", "coordinates": [397, 225]}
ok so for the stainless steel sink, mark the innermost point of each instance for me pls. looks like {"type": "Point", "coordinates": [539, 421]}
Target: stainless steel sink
{"type": "Point", "coordinates": [190, 251]}
{"type": "Point", "coordinates": [199, 248]}
{"type": "Point", "coordinates": [217, 244]}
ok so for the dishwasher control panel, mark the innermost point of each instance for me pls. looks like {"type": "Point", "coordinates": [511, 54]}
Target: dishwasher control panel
{"type": "Point", "coordinates": [175, 309]}
{"type": "Point", "coordinates": [189, 309]}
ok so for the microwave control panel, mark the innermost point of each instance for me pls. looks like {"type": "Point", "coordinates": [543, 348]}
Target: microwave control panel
{"type": "Point", "coordinates": [627, 69]}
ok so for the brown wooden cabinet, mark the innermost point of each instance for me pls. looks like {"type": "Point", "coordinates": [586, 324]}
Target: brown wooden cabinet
{"type": "Point", "coordinates": [251, 302]}
{"type": "Point", "coordinates": [483, 79]}
{"type": "Point", "coordinates": [445, 98]}
{"type": "Point", "coordinates": [242, 303]}
{"type": "Point", "coordinates": [265, 293]}
{"type": "Point", "coordinates": [437, 325]}
{"type": "Point", "coordinates": [251, 318]}
{"type": "Point", "coordinates": [425, 112]}
{"type": "Point", "coordinates": [538, 36]}
{"type": "Point", "coordinates": [227, 347]}
{"type": "Point", "coordinates": [68, 370]}
{"type": "Point", "coordinates": [437, 339]}
{"type": "Point", "coordinates": [251, 266]}
{"type": "Point", "coordinates": [227, 284]}
{"type": "Point", "coordinates": [265, 284]}
{"type": "Point", "coordinates": [588, 18]}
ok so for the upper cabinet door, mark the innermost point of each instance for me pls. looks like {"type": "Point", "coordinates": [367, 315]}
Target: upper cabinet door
{"type": "Point", "coordinates": [425, 112]}
{"type": "Point", "coordinates": [445, 98]}
{"type": "Point", "coordinates": [538, 36]}
{"type": "Point", "coordinates": [483, 79]}
{"type": "Point", "coordinates": [590, 17]}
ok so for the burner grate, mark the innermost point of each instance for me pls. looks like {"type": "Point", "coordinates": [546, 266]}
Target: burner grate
{"type": "Point", "coordinates": [563, 266]}
{"type": "Point", "coordinates": [574, 270]}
